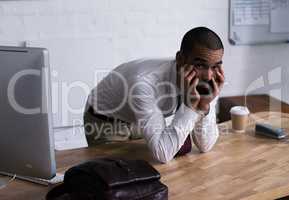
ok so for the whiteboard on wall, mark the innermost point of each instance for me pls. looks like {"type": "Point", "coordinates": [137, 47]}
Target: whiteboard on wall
{"type": "Point", "coordinates": [77, 65]}
{"type": "Point", "coordinates": [258, 21]}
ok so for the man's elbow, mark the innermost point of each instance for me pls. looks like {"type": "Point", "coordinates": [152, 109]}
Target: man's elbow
{"type": "Point", "coordinates": [205, 149]}
{"type": "Point", "coordinates": [162, 160]}
{"type": "Point", "coordinates": [161, 156]}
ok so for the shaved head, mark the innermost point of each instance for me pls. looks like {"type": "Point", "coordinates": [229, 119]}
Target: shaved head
{"type": "Point", "coordinates": [200, 37]}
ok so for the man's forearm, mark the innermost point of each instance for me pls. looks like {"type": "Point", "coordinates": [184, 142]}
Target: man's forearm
{"type": "Point", "coordinates": [205, 133]}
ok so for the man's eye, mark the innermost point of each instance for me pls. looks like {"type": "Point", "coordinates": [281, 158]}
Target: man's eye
{"type": "Point", "coordinates": [216, 67]}
{"type": "Point", "coordinates": [199, 66]}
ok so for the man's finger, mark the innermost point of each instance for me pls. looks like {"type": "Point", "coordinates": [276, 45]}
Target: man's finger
{"type": "Point", "coordinates": [221, 78]}
{"type": "Point", "coordinates": [195, 82]}
{"type": "Point", "coordinates": [190, 76]}
{"type": "Point", "coordinates": [188, 69]}
{"type": "Point", "coordinates": [192, 91]}
{"type": "Point", "coordinates": [221, 70]}
{"type": "Point", "coordinates": [215, 87]}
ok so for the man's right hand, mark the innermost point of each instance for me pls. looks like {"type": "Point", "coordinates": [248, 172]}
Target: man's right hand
{"type": "Point", "coordinates": [191, 97]}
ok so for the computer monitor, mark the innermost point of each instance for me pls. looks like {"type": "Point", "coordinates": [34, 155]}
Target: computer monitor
{"type": "Point", "coordinates": [26, 132]}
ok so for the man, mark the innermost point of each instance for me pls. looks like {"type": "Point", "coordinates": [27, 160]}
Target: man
{"type": "Point", "coordinates": [135, 99]}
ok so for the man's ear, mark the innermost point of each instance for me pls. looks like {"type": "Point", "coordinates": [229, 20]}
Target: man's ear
{"type": "Point", "coordinates": [180, 59]}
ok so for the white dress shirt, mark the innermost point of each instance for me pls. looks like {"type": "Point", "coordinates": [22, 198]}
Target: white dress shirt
{"type": "Point", "coordinates": [144, 92]}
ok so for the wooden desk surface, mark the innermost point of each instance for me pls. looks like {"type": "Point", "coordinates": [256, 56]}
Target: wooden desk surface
{"type": "Point", "coordinates": [241, 166]}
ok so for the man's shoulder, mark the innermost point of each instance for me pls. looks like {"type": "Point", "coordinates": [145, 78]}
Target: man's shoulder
{"type": "Point", "coordinates": [151, 68]}
{"type": "Point", "coordinates": [149, 61]}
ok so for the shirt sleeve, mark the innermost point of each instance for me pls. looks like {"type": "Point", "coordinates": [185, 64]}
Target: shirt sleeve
{"type": "Point", "coordinates": [206, 132]}
{"type": "Point", "coordinates": [164, 140]}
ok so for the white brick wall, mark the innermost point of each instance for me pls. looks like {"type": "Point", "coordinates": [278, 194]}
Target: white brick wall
{"type": "Point", "coordinates": [129, 29]}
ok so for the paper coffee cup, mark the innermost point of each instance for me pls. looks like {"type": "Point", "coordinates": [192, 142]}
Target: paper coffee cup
{"type": "Point", "coordinates": [239, 118]}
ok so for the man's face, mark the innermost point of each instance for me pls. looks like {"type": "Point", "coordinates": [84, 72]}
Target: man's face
{"type": "Point", "coordinates": [206, 63]}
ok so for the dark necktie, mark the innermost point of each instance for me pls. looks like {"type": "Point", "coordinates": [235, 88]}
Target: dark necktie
{"type": "Point", "coordinates": [187, 146]}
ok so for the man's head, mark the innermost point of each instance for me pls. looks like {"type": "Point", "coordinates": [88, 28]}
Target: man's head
{"type": "Point", "coordinates": [202, 48]}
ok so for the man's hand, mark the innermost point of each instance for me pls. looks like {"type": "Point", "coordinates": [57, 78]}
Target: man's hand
{"type": "Point", "coordinates": [191, 97]}
{"type": "Point", "coordinates": [218, 82]}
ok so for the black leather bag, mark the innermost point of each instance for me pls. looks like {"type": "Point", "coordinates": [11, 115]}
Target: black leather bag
{"type": "Point", "coordinates": [110, 179]}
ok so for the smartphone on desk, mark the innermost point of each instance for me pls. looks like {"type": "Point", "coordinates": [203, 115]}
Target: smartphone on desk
{"type": "Point", "coordinates": [269, 131]}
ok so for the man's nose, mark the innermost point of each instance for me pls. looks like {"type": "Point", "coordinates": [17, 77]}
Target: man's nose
{"type": "Point", "coordinates": [207, 74]}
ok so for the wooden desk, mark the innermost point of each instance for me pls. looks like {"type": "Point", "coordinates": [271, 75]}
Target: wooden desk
{"type": "Point", "coordinates": [241, 166]}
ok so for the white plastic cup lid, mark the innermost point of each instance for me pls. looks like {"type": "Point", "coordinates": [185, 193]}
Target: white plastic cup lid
{"type": "Point", "coordinates": [240, 110]}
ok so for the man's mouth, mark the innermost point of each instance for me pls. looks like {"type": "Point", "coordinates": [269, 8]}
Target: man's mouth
{"type": "Point", "coordinates": [205, 87]}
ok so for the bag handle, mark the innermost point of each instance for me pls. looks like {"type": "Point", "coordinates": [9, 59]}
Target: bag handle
{"type": "Point", "coordinates": [123, 165]}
